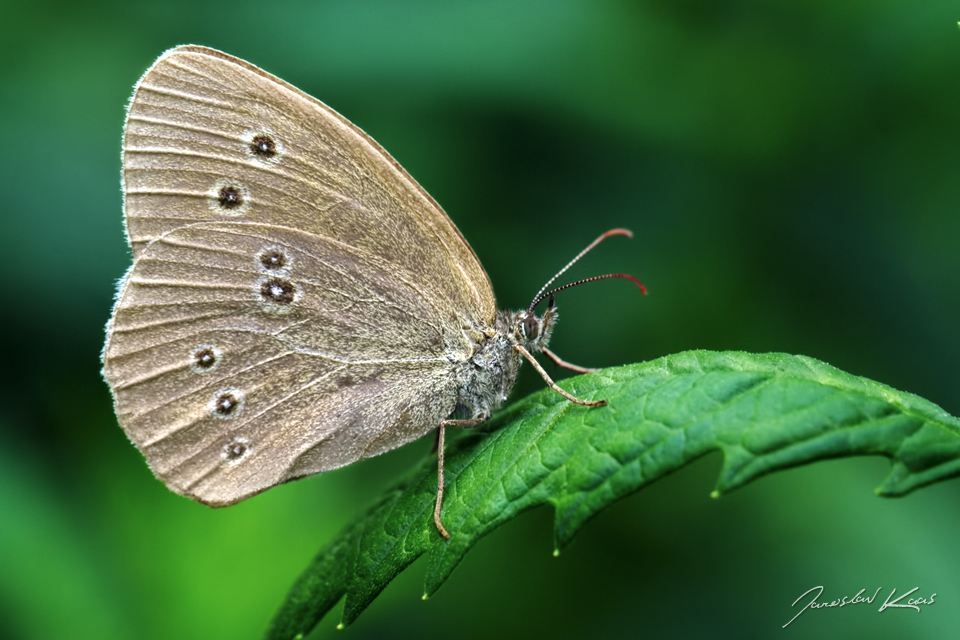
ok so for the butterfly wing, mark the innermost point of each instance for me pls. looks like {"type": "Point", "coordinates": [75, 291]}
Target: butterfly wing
{"type": "Point", "coordinates": [232, 376]}
{"type": "Point", "coordinates": [210, 136]}
{"type": "Point", "coordinates": [296, 299]}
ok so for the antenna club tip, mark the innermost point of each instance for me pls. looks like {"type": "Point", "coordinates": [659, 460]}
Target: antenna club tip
{"type": "Point", "coordinates": [618, 232]}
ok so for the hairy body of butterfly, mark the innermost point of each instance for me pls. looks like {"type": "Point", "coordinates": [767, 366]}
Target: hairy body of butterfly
{"type": "Point", "coordinates": [297, 302]}
{"type": "Point", "coordinates": [489, 374]}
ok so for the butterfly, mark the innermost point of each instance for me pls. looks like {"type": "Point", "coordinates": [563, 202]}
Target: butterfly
{"type": "Point", "coordinates": [297, 301]}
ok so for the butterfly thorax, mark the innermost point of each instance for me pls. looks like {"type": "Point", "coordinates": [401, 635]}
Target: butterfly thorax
{"type": "Point", "coordinates": [490, 373]}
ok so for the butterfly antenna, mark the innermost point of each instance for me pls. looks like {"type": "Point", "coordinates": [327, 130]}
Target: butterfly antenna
{"type": "Point", "coordinates": [543, 293]}
{"type": "Point", "coordinates": [624, 276]}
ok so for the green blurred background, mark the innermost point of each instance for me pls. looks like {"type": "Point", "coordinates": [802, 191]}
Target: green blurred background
{"type": "Point", "coordinates": [790, 170]}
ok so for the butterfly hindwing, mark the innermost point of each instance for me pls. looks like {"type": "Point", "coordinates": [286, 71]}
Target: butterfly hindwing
{"type": "Point", "coordinates": [233, 373]}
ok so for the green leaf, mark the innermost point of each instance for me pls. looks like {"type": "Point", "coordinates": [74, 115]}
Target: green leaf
{"type": "Point", "coordinates": [764, 412]}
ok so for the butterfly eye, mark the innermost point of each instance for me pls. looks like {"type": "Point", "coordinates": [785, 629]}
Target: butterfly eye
{"type": "Point", "coordinates": [531, 327]}
{"type": "Point", "coordinates": [226, 404]}
{"type": "Point", "coordinates": [205, 358]}
{"type": "Point", "coordinates": [230, 198]}
{"type": "Point", "coordinates": [273, 259]}
{"type": "Point", "coordinates": [276, 295]}
{"type": "Point", "coordinates": [278, 291]}
{"type": "Point", "coordinates": [236, 450]}
{"type": "Point", "coordinates": [263, 146]}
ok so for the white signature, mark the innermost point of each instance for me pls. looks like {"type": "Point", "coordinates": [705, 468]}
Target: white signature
{"type": "Point", "coordinates": [912, 603]}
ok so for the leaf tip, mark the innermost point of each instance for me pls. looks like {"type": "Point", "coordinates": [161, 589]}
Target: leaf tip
{"type": "Point", "coordinates": [715, 494]}
{"type": "Point", "coordinates": [341, 627]}
{"type": "Point", "coordinates": [424, 596]}
{"type": "Point", "coordinates": [556, 553]}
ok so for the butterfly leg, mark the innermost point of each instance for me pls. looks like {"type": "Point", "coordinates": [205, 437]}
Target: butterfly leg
{"type": "Point", "coordinates": [553, 385]}
{"type": "Point", "coordinates": [560, 362]}
{"type": "Point", "coordinates": [462, 424]}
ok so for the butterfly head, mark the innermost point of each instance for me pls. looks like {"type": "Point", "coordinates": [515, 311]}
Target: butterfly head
{"type": "Point", "coordinates": [533, 331]}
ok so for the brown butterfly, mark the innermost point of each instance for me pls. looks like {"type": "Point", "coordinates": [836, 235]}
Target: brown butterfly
{"type": "Point", "coordinates": [296, 302]}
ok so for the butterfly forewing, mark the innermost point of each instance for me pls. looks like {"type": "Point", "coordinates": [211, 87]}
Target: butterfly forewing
{"type": "Point", "coordinates": [296, 299]}
{"type": "Point", "coordinates": [209, 136]}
